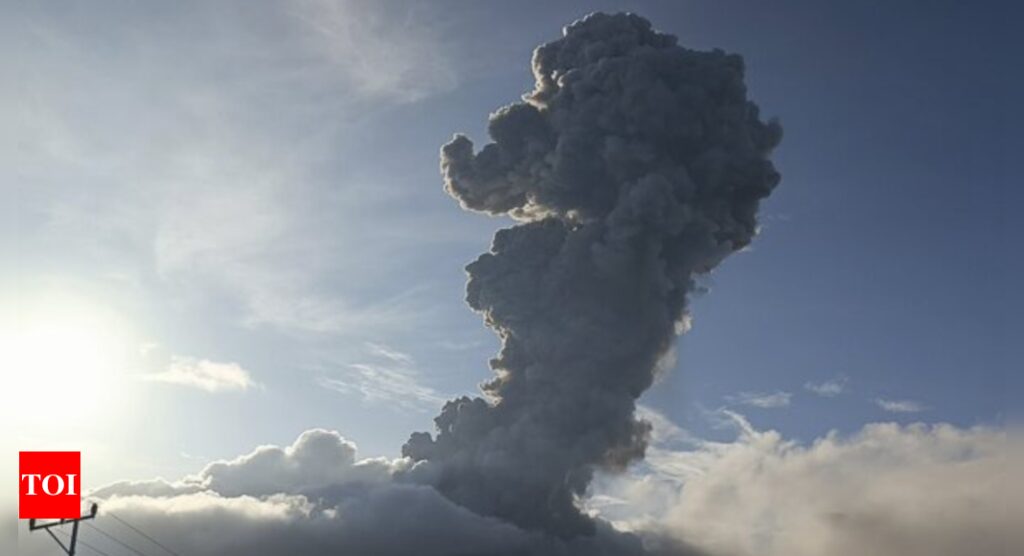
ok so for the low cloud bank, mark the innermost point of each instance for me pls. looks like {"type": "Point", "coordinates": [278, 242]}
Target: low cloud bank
{"type": "Point", "coordinates": [927, 490]}
{"type": "Point", "coordinates": [316, 497]}
{"type": "Point", "coordinates": [887, 490]}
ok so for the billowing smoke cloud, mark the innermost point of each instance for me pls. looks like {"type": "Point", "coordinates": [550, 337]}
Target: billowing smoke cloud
{"type": "Point", "coordinates": [634, 165]}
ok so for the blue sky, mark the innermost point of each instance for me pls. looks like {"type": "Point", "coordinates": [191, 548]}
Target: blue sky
{"type": "Point", "coordinates": [253, 189]}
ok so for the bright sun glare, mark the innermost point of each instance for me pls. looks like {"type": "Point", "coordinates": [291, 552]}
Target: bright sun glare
{"type": "Point", "coordinates": [60, 361]}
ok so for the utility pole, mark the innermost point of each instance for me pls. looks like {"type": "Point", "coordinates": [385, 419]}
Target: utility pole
{"type": "Point", "coordinates": [70, 548]}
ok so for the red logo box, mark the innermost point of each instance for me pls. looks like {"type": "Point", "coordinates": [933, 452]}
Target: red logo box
{"type": "Point", "coordinates": [49, 485]}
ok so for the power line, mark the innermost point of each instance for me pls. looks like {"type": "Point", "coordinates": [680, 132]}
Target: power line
{"type": "Point", "coordinates": [139, 531]}
{"type": "Point", "coordinates": [85, 544]}
{"type": "Point", "coordinates": [116, 540]}
{"type": "Point", "coordinates": [35, 525]}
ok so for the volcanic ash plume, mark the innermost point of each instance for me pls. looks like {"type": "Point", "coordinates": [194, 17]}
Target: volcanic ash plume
{"type": "Point", "coordinates": [634, 165]}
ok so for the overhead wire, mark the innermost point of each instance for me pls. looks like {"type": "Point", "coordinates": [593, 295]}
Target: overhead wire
{"type": "Point", "coordinates": [115, 539]}
{"type": "Point", "coordinates": [140, 532]}
{"type": "Point", "coordinates": [81, 542]}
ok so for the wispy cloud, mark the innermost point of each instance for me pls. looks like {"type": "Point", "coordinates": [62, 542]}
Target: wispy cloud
{"type": "Point", "coordinates": [900, 406]}
{"type": "Point", "coordinates": [451, 345]}
{"type": "Point", "coordinates": [830, 388]}
{"type": "Point", "coordinates": [204, 374]}
{"type": "Point", "coordinates": [763, 400]}
{"type": "Point", "coordinates": [402, 58]}
{"type": "Point", "coordinates": [389, 353]}
{"type": "Point", "coordinates": [390, 378]}
{"type": "Point", "coordinates": [664, 431]}
{"type": "Point", "coordinates": [226, 205]}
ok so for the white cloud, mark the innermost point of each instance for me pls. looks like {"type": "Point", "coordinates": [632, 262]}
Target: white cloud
{"type": "Point", "coordinates": [389, 353]}
{"type": "Point", "coordinates": [763, 400]}
{"type": "Point", "coordinates": [391, 378]}
{"type": "Point", "coordinates": [900, 406]}
{"type": "Point", "coordinates": [204, 374]}
{"type": "Point", "coordinates": [317, 459]}
{"type": "Point", "coordinates": [888, 490]}
{"type": "Point", "coordinates": [829, 388]}
{"type": "Point", "coordinates": [378, 383]}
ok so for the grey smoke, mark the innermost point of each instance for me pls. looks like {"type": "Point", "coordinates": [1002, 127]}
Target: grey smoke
{"type": "Point", "coordinates": [633, 166]}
